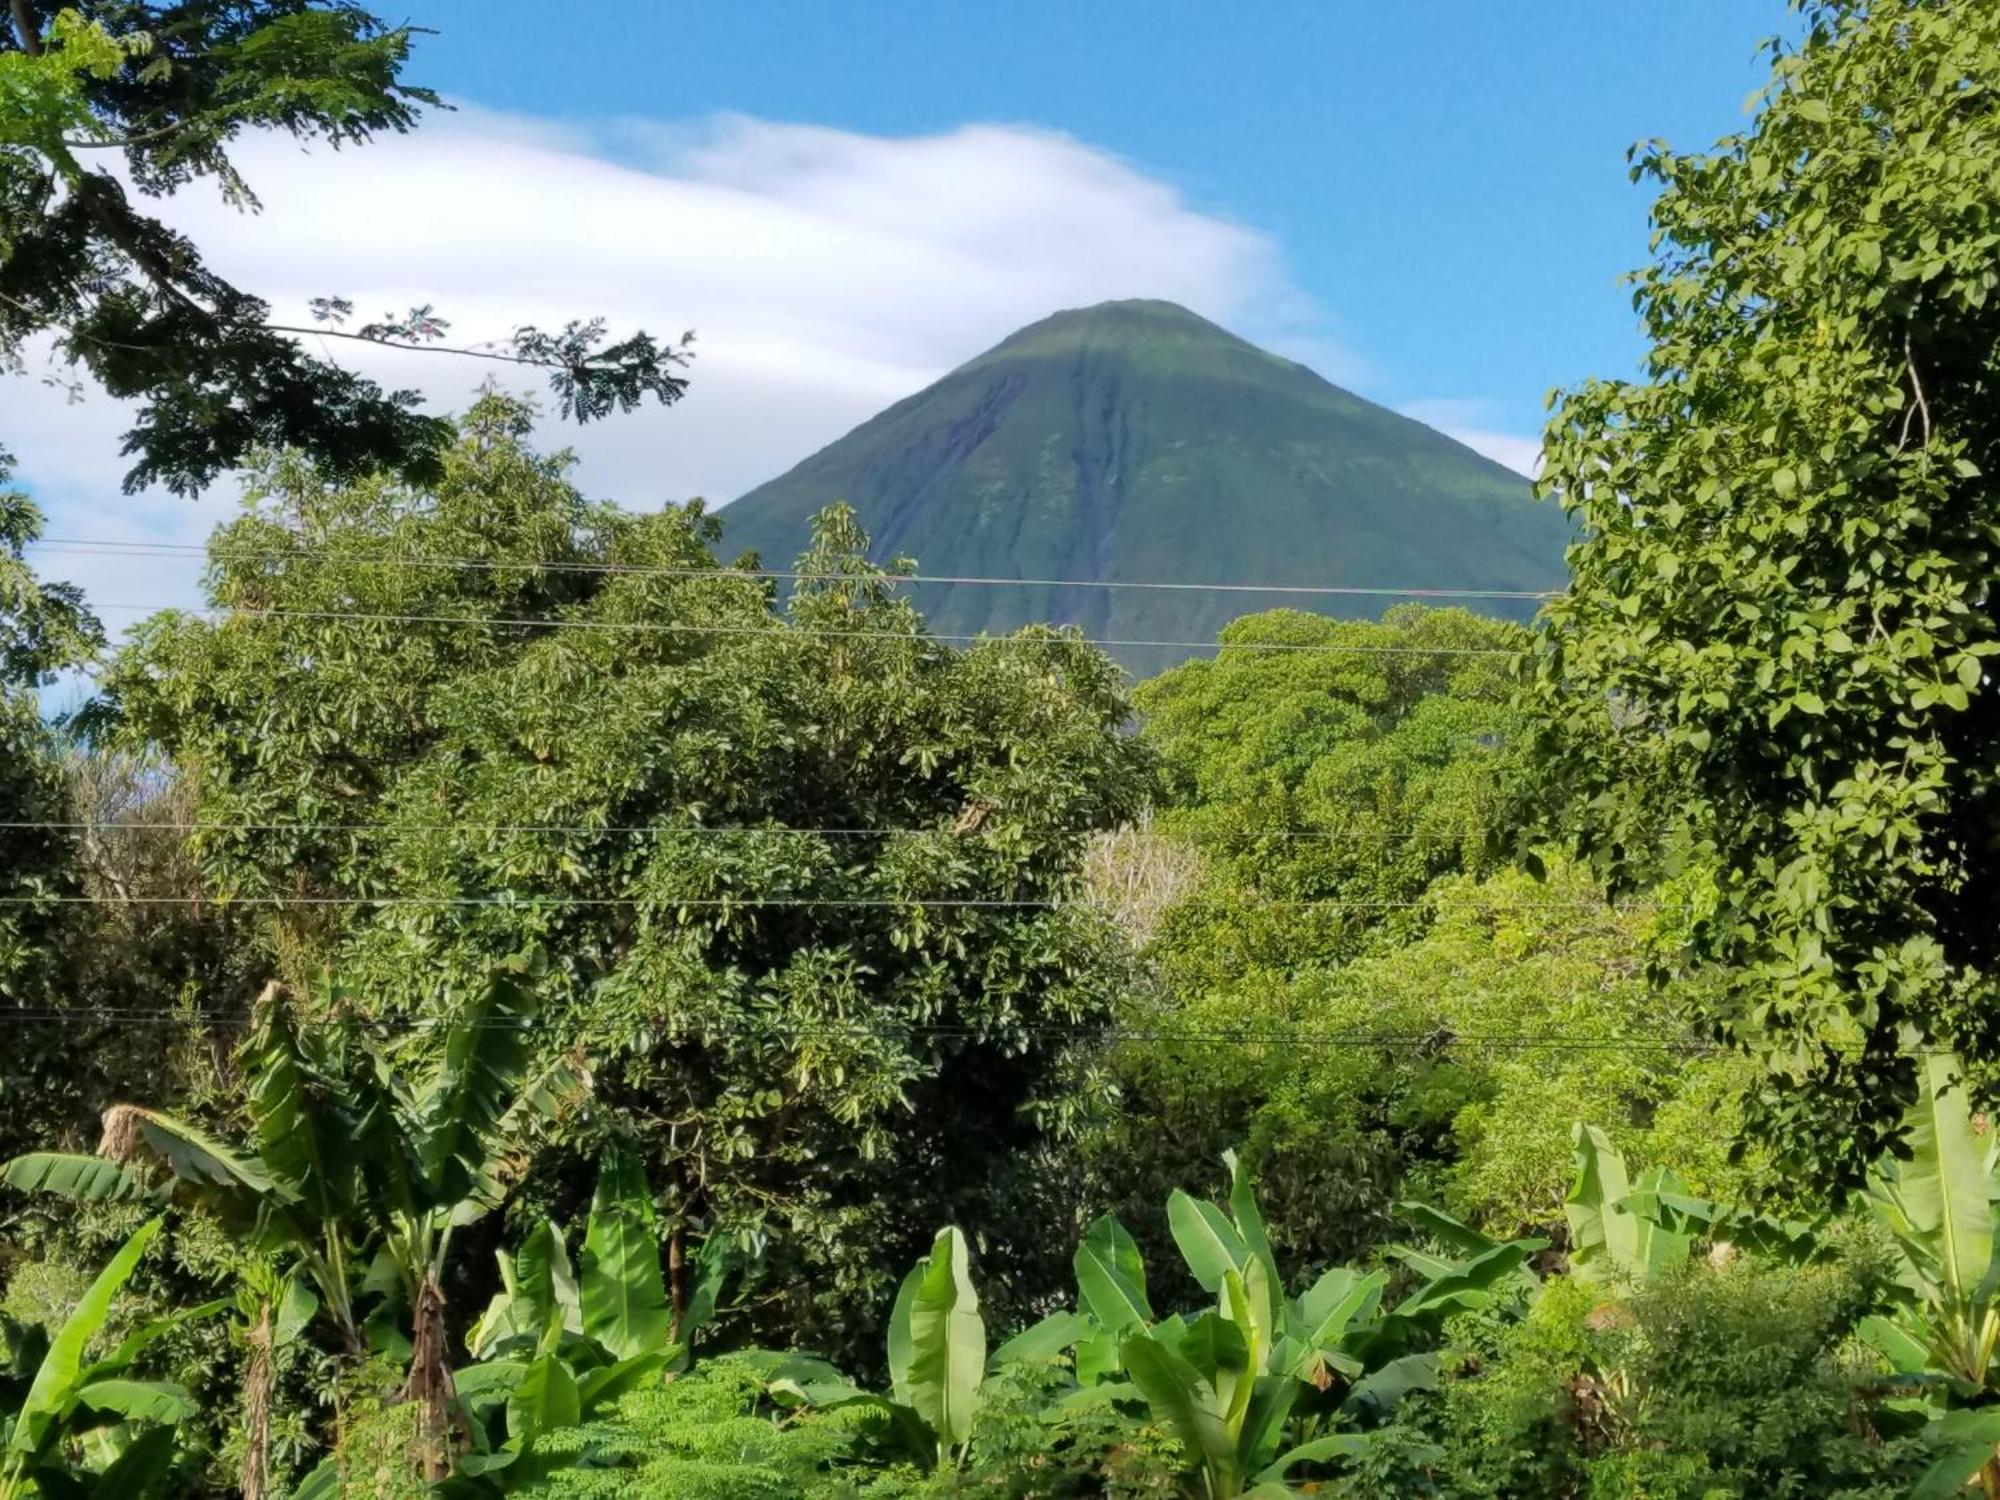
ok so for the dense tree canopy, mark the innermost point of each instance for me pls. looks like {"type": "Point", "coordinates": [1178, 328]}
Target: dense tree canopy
{"type": "Point", "coordinates": [164, 90]}
{"type": "Point", "coordinates": [1328, 770]}
{"type": "Point", "coordinates": [1775, 657]}
{"type": "Point", "coordinates": [801, 876]}
{"type": "Point", "coordinates": [44, 629]}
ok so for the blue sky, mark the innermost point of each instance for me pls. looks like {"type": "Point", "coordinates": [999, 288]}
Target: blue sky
{"type": "Point", "coordinates": [1426, 201]}
{"type": "Point", "coordinates": [1446, 177]}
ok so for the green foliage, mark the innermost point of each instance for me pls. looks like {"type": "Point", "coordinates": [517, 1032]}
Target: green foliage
{"type": "Point", "coordinates": [1137, 442]}
{"type": "Point", "coordinates": [1709, 1380]}
{"type": "Point", "coordinates": [1349, 768]}
{"type": "Point", "coordinates": [819, 1044]}
{"type": "Point", "coordinates": [1445, 1069]}
{"type": "Point", "coordinates": [709, 1436]}
{"type": "Point", "coordinates": [44, 630]}
{"type": "Point", "coordinates": [1773, 657]}
{"type": "Point", "coordinates": [58, 1401]}
{"type": "Point", "coordinates": [170, 87]}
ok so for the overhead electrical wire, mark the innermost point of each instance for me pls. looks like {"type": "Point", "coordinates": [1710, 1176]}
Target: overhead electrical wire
{"type": "Point", "coordinates": [114, 547]}
{"type": "Point", "coordinates": [1435, 1040]}
{"type": "Point", "coordinates": [766, 830]}
{"type": "Point", "coordinates": [742, 903]}
{"type": "Point", "coordinates": [778, 630]}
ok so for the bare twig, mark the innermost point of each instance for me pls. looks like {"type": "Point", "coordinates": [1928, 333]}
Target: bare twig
{"type": "Point", "coordinates": [1921, 405]}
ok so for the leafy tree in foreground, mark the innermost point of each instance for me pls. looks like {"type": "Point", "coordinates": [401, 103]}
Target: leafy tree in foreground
{"type": "Point", "coordinates": [1776, 655]}
{"type": "Point", "coordinates": [166, 89]}
{"type": "Point", "coordinates": [44, 629]}
{"type": "Point", "coordinates": [802, 872]}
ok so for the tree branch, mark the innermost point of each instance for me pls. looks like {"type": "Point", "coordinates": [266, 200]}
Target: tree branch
{"type": "Point", "coordinates": [362, 338]}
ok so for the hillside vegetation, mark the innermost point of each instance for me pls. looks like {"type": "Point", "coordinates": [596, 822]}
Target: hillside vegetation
{"type": "Point", "coordinates": [1136, 442]}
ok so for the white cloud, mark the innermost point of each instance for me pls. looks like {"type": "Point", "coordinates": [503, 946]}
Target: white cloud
{"type": "Point", "coordinates": [827, 274]}
{"type": "Point", "coordinates": [1466, 421]}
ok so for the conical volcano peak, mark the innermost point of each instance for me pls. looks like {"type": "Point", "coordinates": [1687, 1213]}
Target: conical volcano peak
{"type": "Point", "coordinates": [1137, 442]}
{"type": "Point", "coordinates": [1133, 323]}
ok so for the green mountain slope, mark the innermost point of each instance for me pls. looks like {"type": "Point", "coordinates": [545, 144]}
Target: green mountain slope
{"type": "Point", "coordinates": [1135, 441]}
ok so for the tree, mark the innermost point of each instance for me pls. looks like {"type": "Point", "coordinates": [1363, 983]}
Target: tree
{"type": "Point", "coordinates": [1448, 1068]}
{"type": "Point", "coordinates": [805, 876]}
{"type": "Point", "coordinates": [1774, 659]}
{"type": "Point", "coordinates": [1328, 781]}
{"type": "Point", "coordinates": [44, 630]}
{"type": "Point", "coordinates": [169, 88]}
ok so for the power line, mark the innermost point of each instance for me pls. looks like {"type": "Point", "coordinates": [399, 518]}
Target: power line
{"type": "Point", "coordinates": [142, 548]}
{"type": "Point", "coordinates": [1437, 1039]}
{"type": "Point", "coordinates": [781, 630]}
{"type": "Point", "coordinates": [741, 903]}
{"type": "Point", "coordinates": [119, 825]}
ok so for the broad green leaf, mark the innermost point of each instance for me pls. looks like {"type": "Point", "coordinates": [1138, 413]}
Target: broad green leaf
{"type": "Point", "coordinates": [298, 1305]}
{"type": "Point", "coordinates": [1967, 1440]}
{"type": "Point", "coordinates": [487, 1379]}
{"type": "Point", "coordinates": [1208, 1242]}
{"type": "Point", "coordinates": [1097, 1358]}
{"type": "Point", "coordinates": [1250, 1219]}
{"type": "Point", "coordinates": [481, 1077]}
{"type": "Point", "coordinates": [613, 1381]}
{"type": "Point", "coordinates": [1053, 1335]}
{"type": "Point", "coordinates": [1272, 1398]}
{"type": "Point", "coordinates": [545, 1400]}
{"type": "Point", "coordinates": [1943, 1188]}
{"type": "Point", "coordinates": [310, 1153]}
{"type": "Point", "coordinates": [323, 1483]}
{"type": "Point", "coordinates": [624, 1299]}
{"type": "Point", "coordinates": [1178, 1396]}
{"type": "Point", "coordinates": [712, 1275]}
{"type": "Point", "coordinates": [54, 1384]}
{"type": "Point", "coordinates": [84, 1179]}
{"type": "Point", "coordinates": [1603, 1235]}
{"type": "Point", "coordinates": [1452, 1233]}
{"type": "Point", "coordinates": [138, 1400]}
{"type": "Point", "coordinates": [937, 1350]}
{"type": "Point", "coordinates": [1377, 1393]}
{"type": "Point", "coordinates": [1214, 1346]}
{"type": "Point", "coordinates": [1907, 1354]}
{"type": "Point", "coordinates": [145, 1470]}
{"type": "Point", "coordinates": [211, 1168]}
{"type": "Point", "coordinates": [1470, 1284]}
{"type": "Point", "coordinates": [1111, 1278]}
{"type": "Point", "coordinates": [1335, 1303]}
{"type": "Point", "coordinates": [1338, 1445]}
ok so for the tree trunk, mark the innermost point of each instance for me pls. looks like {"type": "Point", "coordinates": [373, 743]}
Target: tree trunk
{"type": "Point", "coordinates": [257, 1376]}
{"type": "Point", "coordinates": [429, 1382]}
{"type": "Point", "coordinates": [25, 29]}
{"type": "Point", "coordinates": [677, 1277]}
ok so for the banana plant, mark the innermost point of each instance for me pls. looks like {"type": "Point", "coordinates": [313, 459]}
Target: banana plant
{"type": "Point", "coordinates": [937, 1361]}
{"type": "Point", "coordinates": [553, 1347]}
{"type": "Point", "coordinates": [937, 1345]}
{"type": "Point", "coordinates": [69, 1401]}
{"type": "Point", "coordinates": [1608, 1240]}
{"type": "Point", "coordinates": [1230, 1381]}
{"type": "Point", "coordinates": [1939, 1207]}
{"type": "Point", "coordinates": [344, 1157]}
